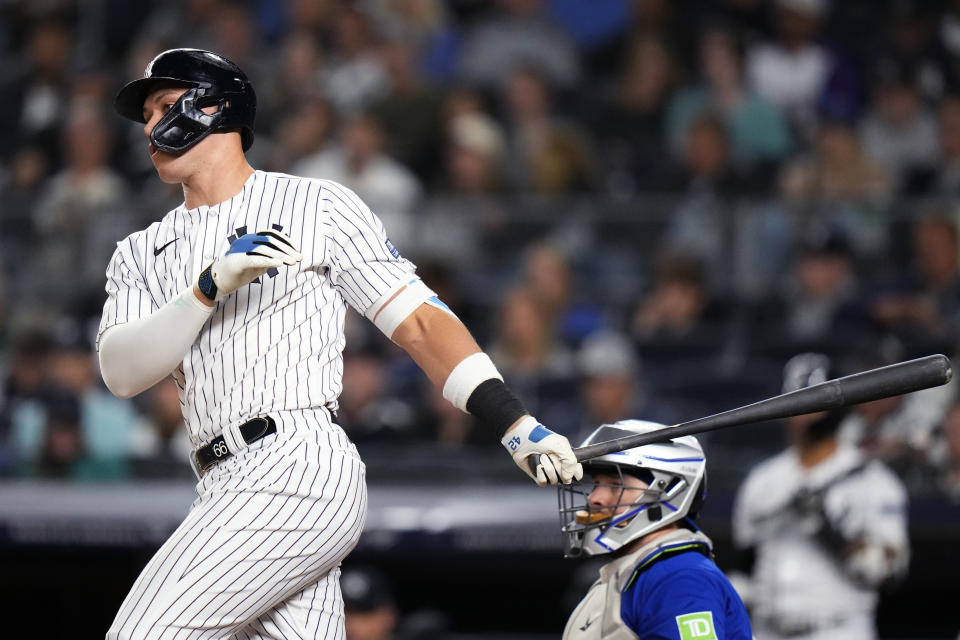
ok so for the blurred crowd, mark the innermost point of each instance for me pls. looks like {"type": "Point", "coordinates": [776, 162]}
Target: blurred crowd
{"type": "Point", "coordinates": [641, 208]}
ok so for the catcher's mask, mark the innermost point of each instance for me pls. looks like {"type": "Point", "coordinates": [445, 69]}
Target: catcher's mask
{"type": "Point", "coordinates": [211, 80]}
{"type": "Point", "coordinates": [627, 494]}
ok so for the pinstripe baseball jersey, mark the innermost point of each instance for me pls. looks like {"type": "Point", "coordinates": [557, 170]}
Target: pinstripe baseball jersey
{"type": "Point", "coordinates": [258, 554]}
{"type": "Point", "coordinates": [275, 345]}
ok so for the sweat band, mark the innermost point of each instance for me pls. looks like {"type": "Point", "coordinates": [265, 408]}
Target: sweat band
{"type": "Point", "coordinates": [387, 316]}
{"type": "Point", "coordinates": [467, 376]}
{"type": "Point", "coordinates": [493, 404]}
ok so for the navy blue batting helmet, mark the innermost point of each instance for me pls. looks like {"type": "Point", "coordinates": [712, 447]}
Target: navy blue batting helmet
{"type": "Point", "coordinates": [211, 80]}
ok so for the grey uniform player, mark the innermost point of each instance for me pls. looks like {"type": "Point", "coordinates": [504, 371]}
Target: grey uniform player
{"type": "Point", "coordinates": [240, 294]}
{"type": "Point", "coordinates": [819, 528]}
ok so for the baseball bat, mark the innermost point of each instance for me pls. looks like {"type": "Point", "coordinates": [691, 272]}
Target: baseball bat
{"type": "Point", "coordinates": [883, 382]}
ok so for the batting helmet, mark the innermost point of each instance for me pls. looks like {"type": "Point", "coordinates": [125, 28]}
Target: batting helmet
{"type": "Point", "coordinates": [675, 475]}
{"type": "Point", "coordinates": [211, 80]}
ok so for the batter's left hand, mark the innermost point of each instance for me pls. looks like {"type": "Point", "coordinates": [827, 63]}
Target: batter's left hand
{"type": "Point", "coordinates": [553, 455]}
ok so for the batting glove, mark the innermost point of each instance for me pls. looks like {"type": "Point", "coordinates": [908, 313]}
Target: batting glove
{"type": "Point", "coordinates": [554, 459]}
{"type": "Point", "coordinates": [249, 257]}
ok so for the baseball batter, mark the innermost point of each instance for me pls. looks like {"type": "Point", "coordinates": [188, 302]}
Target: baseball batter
{"type": "Point", "coordinates": [819, 528]}
{"type": "Point", "coordinates": [661, 582]}
{"type": "Point", "coordinates": [240, 294]}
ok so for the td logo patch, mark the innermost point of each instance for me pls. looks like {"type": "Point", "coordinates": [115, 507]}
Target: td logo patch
{"type": "Point", "coordinates": [696, 626]}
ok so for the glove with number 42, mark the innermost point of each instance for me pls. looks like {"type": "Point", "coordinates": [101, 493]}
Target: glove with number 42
{"type": "Point", "coordinates": [553, 461]}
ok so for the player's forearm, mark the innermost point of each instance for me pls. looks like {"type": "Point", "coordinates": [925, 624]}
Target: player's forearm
{"type": "Point", "coordinates": [137, 355]}
{"type": "Point", "coordinates": [436, 340]}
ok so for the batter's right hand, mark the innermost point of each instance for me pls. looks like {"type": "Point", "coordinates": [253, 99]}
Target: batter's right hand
{"type": "Point", "coordinates": [249, 257]}
{"type": "Point", "coordinates": [553, 457]}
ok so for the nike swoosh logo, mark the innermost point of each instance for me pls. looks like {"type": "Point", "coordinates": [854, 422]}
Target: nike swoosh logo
{"type": "Point", "coordinates": [587, 624]}
{"type": "Point", "coordinates": [159, 250]}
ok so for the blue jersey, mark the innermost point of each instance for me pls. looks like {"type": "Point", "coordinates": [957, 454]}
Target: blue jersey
{"type": "Point", "coordinates": [684, 597]}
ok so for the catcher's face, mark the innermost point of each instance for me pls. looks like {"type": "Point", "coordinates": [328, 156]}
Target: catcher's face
{"type": "Point", "coordinates": [613, 494]}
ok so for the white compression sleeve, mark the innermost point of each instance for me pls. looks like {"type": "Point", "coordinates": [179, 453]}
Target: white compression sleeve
{"type": "Point", "coordinates": [136, 355]}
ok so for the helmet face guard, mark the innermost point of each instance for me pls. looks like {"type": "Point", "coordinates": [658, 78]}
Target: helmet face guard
{"type": "Point", "coordinates": [674, 474]}
{"type": "Point", "coordinates": [185, 124]}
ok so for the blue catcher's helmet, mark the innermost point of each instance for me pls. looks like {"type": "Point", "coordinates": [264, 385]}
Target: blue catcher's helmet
{"type": "Point", "coordinates": [211, 80]}
{"type": "Point", "coordinates": [674, 472]}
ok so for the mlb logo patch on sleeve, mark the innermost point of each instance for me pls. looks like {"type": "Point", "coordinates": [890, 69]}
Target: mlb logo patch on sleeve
{"type": "Point", "coordinates": [392, 249]}
{"type": "Point", "coordinates": [696, 626]}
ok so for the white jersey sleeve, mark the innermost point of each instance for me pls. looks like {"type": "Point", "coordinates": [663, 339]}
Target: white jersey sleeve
{"type": "Point", "coordinates": [128, 297]}
{"type": "Point", "coordinates": [364, 264]}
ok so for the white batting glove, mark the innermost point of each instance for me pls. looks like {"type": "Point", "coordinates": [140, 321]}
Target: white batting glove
{"type": "Point", "coordinates": [249, 257]}
{"type": "Point", "coordinates": [554, 457]}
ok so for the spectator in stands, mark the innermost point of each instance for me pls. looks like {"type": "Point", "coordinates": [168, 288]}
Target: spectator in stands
{"type": "Point", "coordinates": [298, 67]}
{"type": "Point", "coordinates": [360, 163]}
{"type": "Point", "coordinates": [25, 383]}
{"type": "Point", "coordinates": [369, 409]}
{"type": "Point", "coordinates": [898, 132]}
{"type": "Point", "coordinates": [793, 71]}
{"type": "Point", "coordinates": [533, 360]}
{"type": "Point", "coordinates": [354, 75]}
{"type": "Point", "coordinates": [707, 182]}
{"type": "Point", "coordinates": [911, 36]}
{"type": "Point", "coordinates": [409, 110]}
{"type": "Point", "coordinates": [837, 185]}
{"type": "Point", "coordinates": [305, 130]}
{"type": "Point", "coordinates": [547, 154]}
{"type": "Point", "coordinates": [426, 26]}
{"type": "Point", "coordinates": [62, 452]}
{"type": "Point", "coordinates": [106, 422]}
{"type": "Point", "coordinates": [518, 33]}
{"type": "Point", "coordinates": [756, 129]}
{"type": "Point", "coordinates": [548, 274]}
{"type": "Point", "coordinates": [819, 306]}
{"type": "Point", "coordinates": [611, 383]}
{"type": "Point", "coordinates": [923, 307]}
{"type": "Point", "coordinates": [20, 193]}
{"type": "Point", "coordinates": [629, 125]}
{"type": "Point", "coordinates": [464, 219]}
{"type": "Point", "coordinates": [678, 318]}
{"type": "Point", "coordinates": [474, 155]}
{"type": "Point", "coordinates": [181, 22]}
{"type": "Point", "coordinates": [159, 439]}
{"type": "Point", "coordinates": [236, 35]}
{"type": "Point", "coordinates": [946, 180]}
{"type": "Point", "coordinates": [36, 89]}
{"type": "Point", "coordinates": [80, 218]}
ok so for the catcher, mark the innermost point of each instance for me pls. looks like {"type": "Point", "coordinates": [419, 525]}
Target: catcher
{"type": "Point", "coordinates": [661, 581]}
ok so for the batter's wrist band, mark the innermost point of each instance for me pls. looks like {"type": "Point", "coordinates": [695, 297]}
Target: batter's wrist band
{"type": "Point", "coordinates": [206, 285]}
{"type": "Point", "coordinates": [467, 376]}
{"type": "Point", "coordinates": [492, 403]}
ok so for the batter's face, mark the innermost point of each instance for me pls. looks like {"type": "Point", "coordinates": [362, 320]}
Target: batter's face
{"type": "Point", "coordinates": [176, 168]}
{"type": "Point", "coordinates": [612, 495]}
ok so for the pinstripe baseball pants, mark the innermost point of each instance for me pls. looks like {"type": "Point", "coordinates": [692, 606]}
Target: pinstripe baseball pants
{"type": "Point", "coordinates": [258, 555]}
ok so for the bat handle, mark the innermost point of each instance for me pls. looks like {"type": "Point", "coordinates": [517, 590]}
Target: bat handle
{"type": "Point", "coordinates": [533, 460]}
